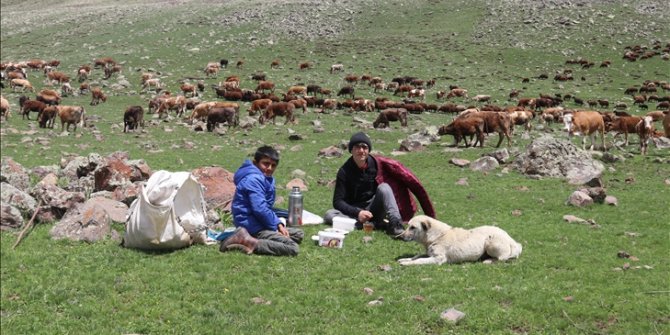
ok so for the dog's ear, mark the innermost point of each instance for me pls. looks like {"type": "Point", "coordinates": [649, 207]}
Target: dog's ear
{"type": "Point", "coordinates": [425, 225]}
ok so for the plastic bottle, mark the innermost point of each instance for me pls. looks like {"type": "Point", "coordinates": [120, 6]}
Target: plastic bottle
{"type": "Point", "coordinates": [295, 207]}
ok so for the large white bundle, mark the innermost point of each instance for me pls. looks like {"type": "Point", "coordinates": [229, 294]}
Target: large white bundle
{"type": "Point", "coordinates": [168, 214]}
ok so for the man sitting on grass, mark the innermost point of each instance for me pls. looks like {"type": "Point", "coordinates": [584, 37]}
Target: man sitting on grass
{"type": "Point", "coordinates": [260, 230]}
{"type": "Point", "coordinates": [376, 189]}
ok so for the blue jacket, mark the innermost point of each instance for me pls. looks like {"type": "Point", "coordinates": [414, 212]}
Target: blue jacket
{"type": "Point", "coordinates": [254, 199]}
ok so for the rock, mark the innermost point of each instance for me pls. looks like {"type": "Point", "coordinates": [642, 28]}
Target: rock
{"type": "Point", "coordinates": [579, 199]}
{"type": "Point", "coordinates": [459, 162]}
{"type": "Point", "coordinates": [77, 167]}
{"type": "Point", "coordinates": [58, 201]}
{"type": "Point", "coordinates": [296, 182]}
{"type": "Point", "coordinates": [297, 173]}
{"type": "Point", "coordinates": [142, 167]}
{"type": "Point", "coordinates": [248, 122]}
{"type": "Point", "coordinates": [411, 146]}
{"type": "Point", "coordinates": [10, 217]}
{"type": "Point", "coordinates": [426, 136]}
{"type": "Point", "coordinates": [462, 182]}
{"type": "Point", "coordinates": [595, 182]}
{"type": "Point", "coordinates": [573, 219]}
{"type": "Point", "coordinates": [218, 184]}
{"type": "Point", "coordinates": [330, 152]}
{"type": "Point", "coordinates": [502, 155]}
{"type": "Point", "coordinates": [14, 174]}
{"type": "Point", "coordinates": [596, 193]}
{"type": "Point", "coordinates": [50, 179]}
{"type": "Point", "coordinates": [116, 172]}
{"type": "Point", "coordinates": [22, 201]}
{"type": "Point", "coordinates": [89, 224]}
{"type": "Point", "coordinates": [199, 126]}
{"type": "Point", "coordinates": [558, 158]}
{"type": "Point", "coordinates": [484, 164]}
{"type": "Point", "coordinates": [661, 142]}
{"type": "Point", "coordinates": [609, 157]}
{"type": "Point", "coordinates": [117, 211]}
{"type": "Point", "coordinates": [41, 171]}
{"type": "Point", "coordinates": [612, 201]}
{"type": "Point", "coordinates": [452, 315]}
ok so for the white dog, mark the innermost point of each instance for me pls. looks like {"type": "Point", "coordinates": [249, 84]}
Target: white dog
{"type": "Point", "coordinates": [455, 245]}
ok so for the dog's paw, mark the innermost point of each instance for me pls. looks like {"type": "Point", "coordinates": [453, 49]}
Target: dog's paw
{"type": "Point", "coordinates": [404, 261]}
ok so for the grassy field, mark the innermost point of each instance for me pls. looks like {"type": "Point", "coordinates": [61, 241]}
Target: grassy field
{"type": "Point", "coordinates": [568, 279]}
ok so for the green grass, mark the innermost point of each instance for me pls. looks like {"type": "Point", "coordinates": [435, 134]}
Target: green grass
{"type": "Point", "coordinates": [58, 287]}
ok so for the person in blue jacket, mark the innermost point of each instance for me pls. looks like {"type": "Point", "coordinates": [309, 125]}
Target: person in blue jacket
{"type": "Point", "coordinates": [259, 229]}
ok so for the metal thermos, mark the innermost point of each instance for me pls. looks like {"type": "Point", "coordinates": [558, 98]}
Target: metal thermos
{"type": "Point", "coordinates": [295, 207]}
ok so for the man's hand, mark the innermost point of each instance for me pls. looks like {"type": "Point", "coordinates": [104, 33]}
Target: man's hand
{"type": "Point", "coordinates": [282, 229]}
{"type": "Point", "coordinates": [364, 216]}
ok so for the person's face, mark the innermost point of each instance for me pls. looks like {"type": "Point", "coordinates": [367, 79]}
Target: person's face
{"type": "Point", "coordinates": [267, 166]}
{"type": "Point", "coordinates": [360, 153]}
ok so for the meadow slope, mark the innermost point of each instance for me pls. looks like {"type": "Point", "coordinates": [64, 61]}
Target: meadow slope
{"type": "Point", "coordinates": [568, 280]}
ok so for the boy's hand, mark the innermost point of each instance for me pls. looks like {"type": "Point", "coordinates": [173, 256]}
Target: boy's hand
{"type": "Point", "coordinates": [282, 229]}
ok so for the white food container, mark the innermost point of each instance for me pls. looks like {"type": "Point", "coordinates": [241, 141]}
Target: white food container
{"type": "Point", "coordinates": [330, 239]}
{"type": "Point", "coordinates": [344, 223]}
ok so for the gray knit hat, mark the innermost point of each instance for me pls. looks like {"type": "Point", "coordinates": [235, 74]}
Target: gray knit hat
{"type": "Point", "coordinates": [359, 137]}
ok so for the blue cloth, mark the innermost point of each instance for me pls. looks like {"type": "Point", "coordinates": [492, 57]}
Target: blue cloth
{"type": "Point", "coordinates": [254, 198]}
{"type": "Point", "coordinates": [219, 235]}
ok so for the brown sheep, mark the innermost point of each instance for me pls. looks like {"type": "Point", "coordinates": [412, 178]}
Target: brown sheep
{"type": "Point", "coordinates": [218, 115]}
{"type": "Point", "coordinates": [265, 86]}
{"type": "Point", "coordinates": [28, 106]}
{"type": "Point", "coordinates": [278, 109]}
{"type": "Point", "coordinates": [4, 107]}
{"type": "Point", "coordinates": [97, 96]}
{"type": "Point", "coordinates": [586, 123]}
{"type": "Point", "coordinates": [391, 114]}
{"type": "Point", "coordinates": [47, 118]}
{"type": "Point", "coordinates": [300, 103]}
{"type": "Point", "coordinates": [258, 106]}
{"type": "Point", "coordinates": [71, 115]}
{"type": "Point", "coordinates": [499, 122]}
{"type": "Point", "coordinates": [22, 83]}
{"type": "Point", "coordinates": [460, 128]}
{"type": "Point", "coordinates": [133, 117]}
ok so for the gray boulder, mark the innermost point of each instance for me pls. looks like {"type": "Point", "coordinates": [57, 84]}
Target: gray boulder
{"type": "Point", "coordinates": [58, 200]}
{"type": "Point", "coordinates": [15, 197]}
{"type": "Point", "coordinates": [14, 174]}
{"type": "Point", "coordinates": [558, 158]}
{"type": "Point", "coordinates": [10, 217]}
{"type": "Point", "coordinates": [484, 164]}
{"type": "Point", "coordinates": [81, 223]}
{"type": "Point", "coordinates": [579, 199]}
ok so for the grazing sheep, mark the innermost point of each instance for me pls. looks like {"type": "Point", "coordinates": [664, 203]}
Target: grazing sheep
{"type": "Point", "coordinates": [4, 107]}
{"type": "Point", "coordinates": [71, 115]}
{"type": "Point", "coordinates": [133, 117]}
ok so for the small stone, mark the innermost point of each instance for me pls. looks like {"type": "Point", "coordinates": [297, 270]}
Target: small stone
{"type": "Point", "coordinates": [419, 298]}
{"type": "Point", "coordinates": [459, 162]}
{"type": "Point", "coordinates": [612, 201]}
{"type": "Point", "coordinates": [368, 291]}
{"type": "Point", "coordinates": [452, 315]}
{"type": "Point", "coordinates": [376, 302]}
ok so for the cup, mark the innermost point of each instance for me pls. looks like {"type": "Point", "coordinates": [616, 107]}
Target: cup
{"type": "Point", "coordinates": [368, 227]}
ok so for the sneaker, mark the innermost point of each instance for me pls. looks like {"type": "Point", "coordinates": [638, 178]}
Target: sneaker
{"type": "Point", "coordinates": [395, 229]}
